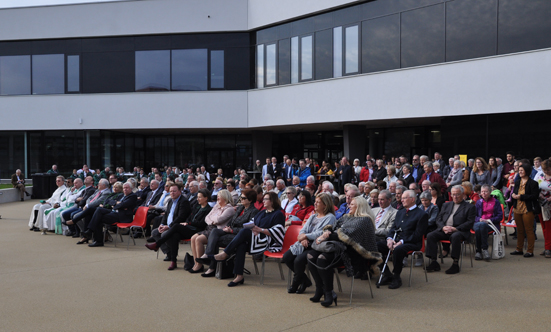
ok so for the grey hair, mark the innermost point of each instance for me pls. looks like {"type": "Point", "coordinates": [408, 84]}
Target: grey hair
{"type": "Point", "coordinates": [387, 193]}
{"type": "Point", "coordinates": [157, 182]}
{"type": "Point", "coordinates": [459, 188]}
{"type": "Point", "coordinates": [428, 163]}
{"type": "Point", "coordinates": [355, 189]}
{"type": "Point", "coordinates": [329, 184]}
{"type": "Point", "coordinates": [293, 190]}
{"type": "Point", "coordinates": [457, 162]}
{"type": "Point", "coordinates": [280, 181]}
{"type": "Point", "coordinates": [311, 177]}
{"type": "Point", "coordinates": [145, 179]}
{"type": "Point", "coordinates": [487, 186]}
{"type": "Point", "coordinates": [194, 184]}
{"type": "Point", "coordinates": [268, 176]}
{"type": "Point", "coordinates": [401, 188]}
{"type": "Point", "coordinates": [371, 184]}
{"type": "Point", "coordinates": [104, 182]}
{"type": "Point", "coordinates": [425, 195]}
{"type": "Point", "coordinates": [270, 182]}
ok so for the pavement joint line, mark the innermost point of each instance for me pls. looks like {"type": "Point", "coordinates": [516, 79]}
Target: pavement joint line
{"type": "Point", "coordinates": [319, 319]}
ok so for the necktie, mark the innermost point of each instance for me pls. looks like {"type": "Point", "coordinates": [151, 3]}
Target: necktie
{"type": "Point", "coordinates": [95, 197]}
{"type": "Point", "coordinates": [378, 219]}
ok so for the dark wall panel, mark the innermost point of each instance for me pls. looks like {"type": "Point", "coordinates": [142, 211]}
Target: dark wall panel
{"type": "Point", "coordinates": [238, 75]}
{"type": "Point", "coordinates": [284, 61]}
{"type": "Point", "coordinates": [324, 54]}
{"type": "Point", "coordinates": [381, 44]}
{"type": "Point", "coordinates": [108, 72]}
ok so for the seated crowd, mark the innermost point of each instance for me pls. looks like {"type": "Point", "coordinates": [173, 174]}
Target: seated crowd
{"type": "Point", "coordinates": [385, 207]}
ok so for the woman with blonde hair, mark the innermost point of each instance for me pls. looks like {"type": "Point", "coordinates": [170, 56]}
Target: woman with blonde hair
{"type": "Point", "coordinates": [355, 232]}
{"type": "Point", "coordinates": [480, 174]}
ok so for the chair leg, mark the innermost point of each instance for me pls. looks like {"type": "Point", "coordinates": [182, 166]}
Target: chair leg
{"type": "Point", "coordinates": [255, 266]}
{"type": "Point", "coordinates": [411, 268]}
{"type": "Point", "coordinates": [369, 281]}
{"type": "Point", "coordinates": [424, 265]}
{"type": "Point", "coordinates": [440, 252]}
{"type": "Point", "coordinates": [338, 280]}
{"type": "Point", "coordinates": [351, 289]}
{"type": "Point", "coordinates": [461, 255]}
{"type": "Point", "coordinates": [506, 237]}
{"type": "Point", "coordinates": [471, 251]}
{"type": "Point", "coordinates": [289, 276]}
{"type": "Point", "coordinates": [280, 269]}
{"type": "Point", "coordinates": [262, 273]}
{"type": "Point", "coordinates": [116, 235]}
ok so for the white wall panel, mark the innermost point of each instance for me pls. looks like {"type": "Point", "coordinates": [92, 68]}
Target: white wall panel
{"type": "Point", "coordinates": [123, 18]}
{"type": "Point", "coordinates": [224, 109]}
{"type": "Point", "coordinates": [493, 85]}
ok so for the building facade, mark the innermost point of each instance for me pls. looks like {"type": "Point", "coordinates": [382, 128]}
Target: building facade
{"type": "Point", "coordinates": [223, 83]}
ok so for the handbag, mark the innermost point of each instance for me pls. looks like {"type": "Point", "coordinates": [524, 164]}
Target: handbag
{"type": "Point", "coordinates": [498, 251]}
{"type": "Point", "coordinates": [329, 246]}
{"type": "Point", "coordinates": [189, 262]}
{"type": "Point", "coordinates": [224, 269]}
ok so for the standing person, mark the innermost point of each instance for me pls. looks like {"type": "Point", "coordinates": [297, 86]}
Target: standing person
{"type": "Point", "coordinates": [18, 182]}
{"type": "Point", "coordinates": [345, 173]}
{"type": "Point", "coordinates": [544, 182]}
{"type": "Point", "coordinates": [526, 206]}
{"type": "Point", "coordinates": [480, 174]}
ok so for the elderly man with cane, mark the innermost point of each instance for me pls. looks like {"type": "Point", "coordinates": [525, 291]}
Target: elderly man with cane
{"type": "Point", "coordinates": [406, 235]}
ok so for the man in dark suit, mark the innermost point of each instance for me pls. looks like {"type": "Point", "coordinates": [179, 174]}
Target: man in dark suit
{"type": "Point", "coordinates": [192, 197]}
{"type": "Point", "coordinates": [18, 182]}
{"type": "Point", "coordinates": [413, 222]}
{"type": "Point", "coordinates": [274, 169]}
{"type": "Point", "coordinates": [288, 172]}
{"type": "Point", "coordinates": [143, 190]}
{"type": "Point", "coordinates": [80, 202]}
{"type": "Point", "coordinates": [177, 211]}
{"type": "Point", "coordinates": [432, 176]}
{"type": "Point", "coordinates": [345, 174]}
{"type": "Point", "coordinates": [417, 168]}
{"type": "Point", "coordinates": [454, 223]}
{"type": "Point", "coordinates": [122, 213]}
{"type": "Point", "coordinates": [153, 196]}
{"type": "Point", "coordinates": [92, 203]}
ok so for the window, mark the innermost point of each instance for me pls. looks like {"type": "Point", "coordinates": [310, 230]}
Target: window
{"type": "Point", "coordinates": [306, 58]}
{"type": "Point", "coordinates": [351, 64]}
{"type": "Point", "coordinates": [284, 61]}
{"type": "Point", "coordinates": [381, 44]}
{"type": "Point", "coordinates": [324, 54]}
{"type": "Point", "coordinates": [260, 66]}
{"type": "Point", "coordinates": [271, 64]}
{"type": "Point", "coordinates": [73, 73]}
{"type": "Point", "coordinates": [294, 60]}
{"type": "Point", "coordinates": [337, 52]}
{"type": "Point", "coordinates": [152, 71]}
{"type": "Point", "coordinates": [48, 74]}
{"type": "Point", "coordinates": [15, 75]}
{"type": "Point", "coordinates": [217, 69]}
{"type": "Point", "coordinates": [189, 70]}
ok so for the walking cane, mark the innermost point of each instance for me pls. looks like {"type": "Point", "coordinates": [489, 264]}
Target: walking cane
{"type": "Point", "coordinates": [387, 256]}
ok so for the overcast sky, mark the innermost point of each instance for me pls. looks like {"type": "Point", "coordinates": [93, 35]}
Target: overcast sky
{"type": "Point", "coordinates": [25, 3]}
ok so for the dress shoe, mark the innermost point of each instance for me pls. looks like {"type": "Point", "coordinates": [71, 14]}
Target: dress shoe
{"type": "Point", "coordinates": [32, 228]}
{"type": "Point", "coordinates": [22, 200]}
{"type": "Point", "coordinates": [317, 296]}
{"type": "Point", "coordinates": [396, 283]}
{"type": "Point", "coordinates": [486, 255]}
{"type": "Point", "coordinates": [69, 234]}
{"type": "Point", "coordinates": [517, 253]}
{"type": "Point", "coordinates": [208, 275]}
{"type": "Point", "coordinates": [221, 256]}
{"type": "Point", "coordinates": [150, 240]}
{"type": "Point", "coordinates": [305, 284]}
{"type": "Point", "coordinates": [547, 253]}
{"type": "Point", "coordinates": [172, 266]}
{"type": "Point", "coordinates": [233, 284]}
{"type": "Point", "coordinates": [385, 280]}
{"type": "Point", "coordinates": [86, 234]}
{"type": "Point", "coordinates": [433, 267]}
{"type": "Point", "coordinates": [197, 271]}
{"type": "Point", "coordinates": [478, 256]}
{"type": "Point", "coordinates": [205, 261]}
{"type": "Point", "coordinates": [95, 244]}
{"type": "Point", "coordinates": [27, 194]}
{"type": "Point", "coordinates": [528, 254]}
{"type": "Point", "coordinates": [329, 298]}
{"type": "Point", "coordinates": [83, 241]}
{"type": "Point", "coordinates": [167, 259]}
{"type": "Point", "coordinates": [152, 246]}
{"type": "Point", "coordinates": [75, 235]}
{"type": "Point", "coordinates": [453, 269]}
{"type": "Point", "coordinates": [419, 261]}
{"type": "Point", "coordinates": [36, 229]}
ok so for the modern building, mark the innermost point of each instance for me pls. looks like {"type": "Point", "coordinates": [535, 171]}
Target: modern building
{"type": "Point", "coordinates": [223, 83]}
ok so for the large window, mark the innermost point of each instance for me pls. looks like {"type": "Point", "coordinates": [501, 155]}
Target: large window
{"type": "Point", "coordinates": [337, 52]}
{"type": "Point", "coordinates": [189, 70]}
{"type": "Point", "coordinates": [260, 66]}
{"type": "Point", "coordinates": [153, 70]}
{"type": "Point", "coordinates": [306, 59]}
{"type": "Point", "coordinates": [271, 68]}
{"type": "Point", "coordinates": [216, 69]}
{"type": "Point", "coordinates": [73, 73]}
{"type": "Point", "coordinates": [15, 75]}
{"type": "Point", "coordinates": [351, 47]}
{"type": "Point", "coordinates": [48, 74]}
{"type": "Point", "coordinates": [381, 44]}
{"type": "Point", "coordinates": [294, 60]}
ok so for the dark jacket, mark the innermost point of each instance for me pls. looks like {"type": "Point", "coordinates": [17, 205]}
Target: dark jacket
{"type": "Point", "coordinates": [86, 193]}
{"type": "Point", "coordinates": [347, 173]}
{"type": "Point", "coordinates": [196, 219]}
{"type": "Point", "coordinates": [274, 173]}
{"type": "Point", "coordinates": [181, 212]}
{"type": "Point", "coordinates": [238, 220]}
{"type": "Point", "coordinates": [379, 174]}
{"type": "Point", "coordinates": [126, 208]}
{"type": "Point", "coordinates": [463, 219]}
{"type": "Point", "coordinates": [112, 200]}
{"type": "Point", "coordinates": [530, 197]}
{"type": "Point", "coordinates": [413, 224]}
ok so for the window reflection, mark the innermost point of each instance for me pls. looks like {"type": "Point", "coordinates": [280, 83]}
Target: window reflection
{"type": "Point", "coordinates": [337, 52]}
{"type": "Point", "coordinates": [73, 73]}
{"type": "Point", "coordinates": [260, 66]}
{"type": "Point", "coordinates": [381, 44]}
{"type": "Point", "coordinates": [306, 58]}
{"type": "Point", "coordinates": [294, 60]}
{"type": "Point", "coordinates": [48, 74]}
{"type": "Point", "coordinates": [15, 75]}
{"type": "Point", "coordinates": [270, 64]}
{"type": "Point", "coordinates": [217, 69]}
{"type": "Point", "coordinates": [152, 71]}
{"type": "Point", "coordinates": [351, 51]}
{"type": "Point", "coordinates": [189, 70]}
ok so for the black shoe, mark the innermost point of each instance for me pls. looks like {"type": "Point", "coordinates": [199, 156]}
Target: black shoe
{"type": "Point", "coordinates": [433, 267]}
{"type": "Point", "coordinates": [204, 261]}
{"type": "Point", "coordinates": [305, 284]}
{"type": "Point", "coordinates": [36, 229]}
{"type": "Point", "coordinates": [86, 234]}
{"type": "Point", "coordinates": [83, 241]}
{"type": "Point", "coordinates": [514, 237]}
{"type": "Point", "coordinates": [516, 252]}
{"type": "Point", "coordinates": [385, 280]}
{"type": "Point", "coordinates": [75, 235]}
{"type": "Point", "coordinates": [150, 240]}
{"type": "Point", "coordinates": [70, 234]}
{"type": "Point", "coordinates": [33, 229]}
{"type": "Point", "coordinates": [317, 296]}
{"type": "Point", "coordinates": [26, 194]}
{"type": "Point", "coordinates": [167, 259]}
{"type": "Point", "coordinates": [22, 200]}
{"type": "Point", "coordinates": [208, 275]}
{"type": "Point", "coordinates": [528, 254]}
{"type": "Point", "coordinates": [453, 269]}
{"type": "Point", "coordinates": [202, 269]}
{"type": "Point", "coordinates": [233, 284]}
{"type": "Point", "coordinates": [396, 283]}
{"type": "Point", "coordinates": [95, 244]}
{"type": "Point", "coordinates": [329, 298]}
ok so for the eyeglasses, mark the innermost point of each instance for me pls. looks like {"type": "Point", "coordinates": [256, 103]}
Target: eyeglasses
{"type": "Point", "coordinates": [243, 197]}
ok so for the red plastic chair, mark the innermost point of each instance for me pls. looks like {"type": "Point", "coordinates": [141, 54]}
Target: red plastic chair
{"type": "Point", "coordinates": [464, 244]}
{"type": "Point", "coordinates": [507, 224]}
{"type": "Point", "coordinates": [418, 252]}
{"type": "Point", "coordinates": [291, 236]}
{"type": "Point", "coordinates": [140, 220]}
